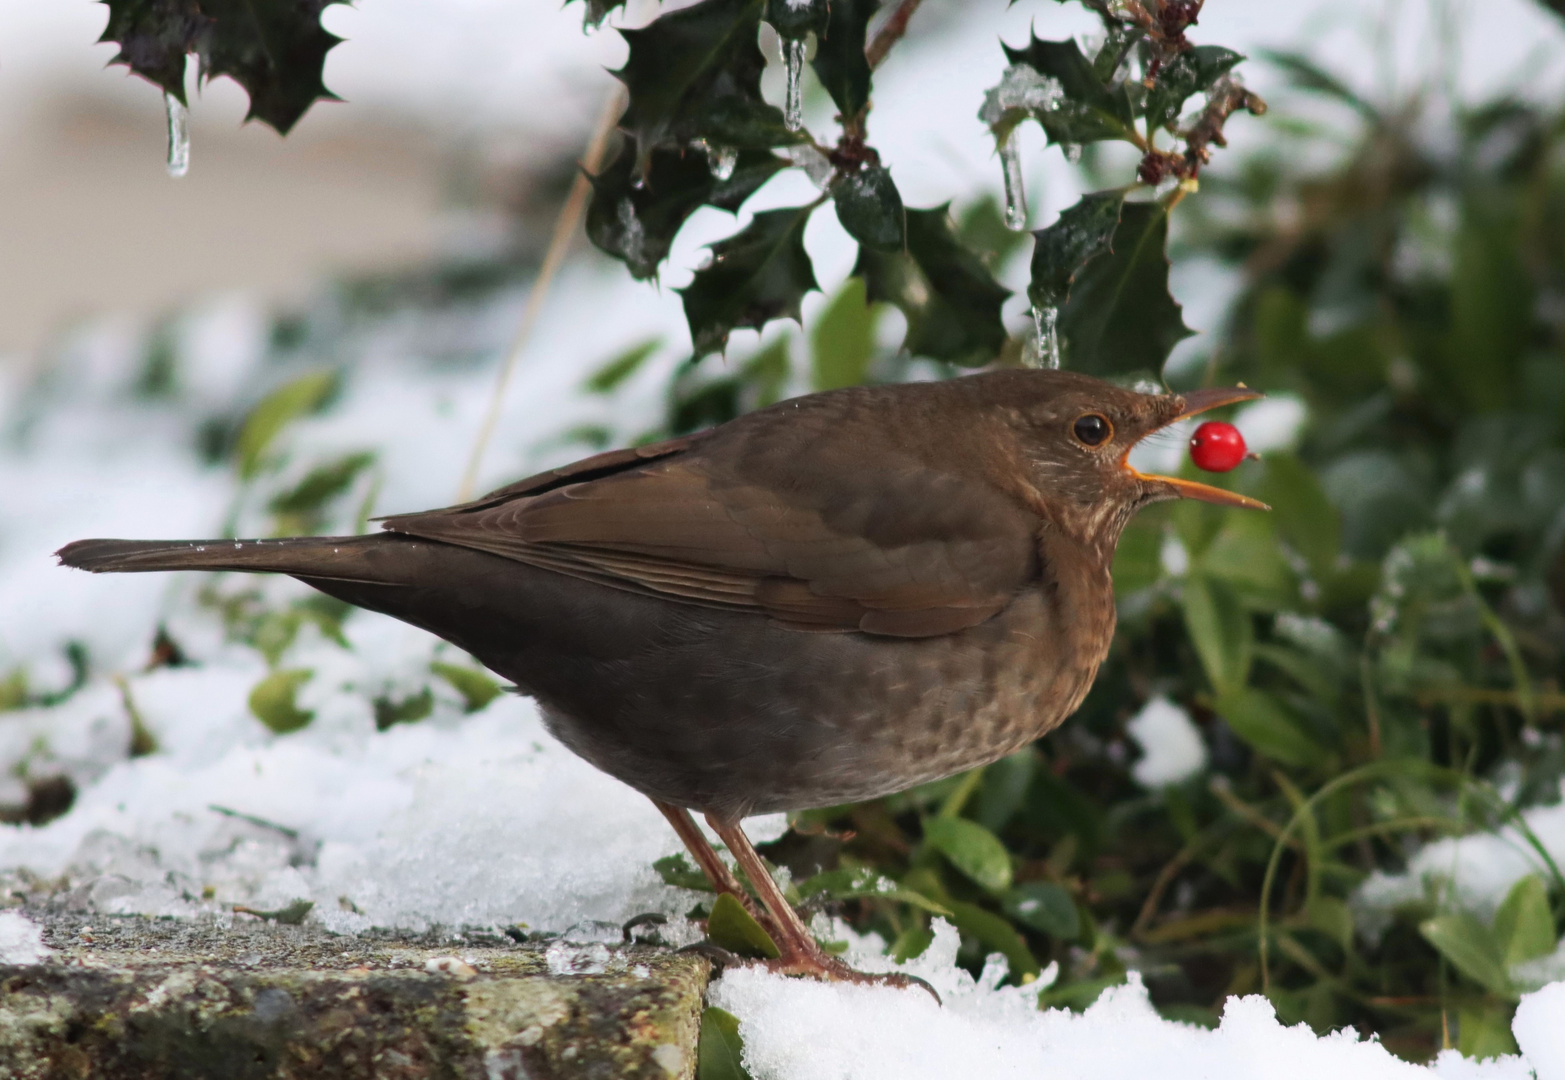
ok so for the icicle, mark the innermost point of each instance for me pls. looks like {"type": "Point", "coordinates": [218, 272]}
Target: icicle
{"type": "Point", "coordinates": [721, 160]}
{"type": "Point", "coordinates": [793, 108]}
{"type": "Point", "coordinates": [1043, 348]}
{"type": "Point", "coordinates": [178, 135]}
{"type": "Point", "coordinates": [1015, 189]}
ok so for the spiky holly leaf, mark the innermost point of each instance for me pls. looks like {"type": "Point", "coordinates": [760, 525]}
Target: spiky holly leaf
{"type": "Point", "coordinates": [696, 74]}
{"type": "Point", "coordinates": [951, 301]}
{"type": "Point", "coordinates": [637, 224]}
{"type": "Point", "coordinates": [597, 10]}
{"type": "Point", "coordinates": [275, 49]}
{"type": "Point", "coordinates": [1120, 318]}
{"type": "Point", "coordinates": [793, 19]}
{"type": "Point", "coordinates": [1088, 108]}
{"type": "Point", "coordinates": [1081, 234]}
{"type": "Point", "coordinates": [759, 274]}
{"type": "Point", "coordinates": [870, 208]}
{"type": "Point", "coordinates": [839, 57]}
{"type": "Point", "coordinates": [154, 36]}
{"type": "Point", "coordinates": [1191, 72]}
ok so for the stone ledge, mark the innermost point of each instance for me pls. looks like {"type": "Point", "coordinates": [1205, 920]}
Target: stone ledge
{"type": "Point", "coordinates": [133, 997]}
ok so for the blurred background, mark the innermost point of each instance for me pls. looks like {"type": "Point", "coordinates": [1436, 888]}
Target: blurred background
{"type": "Point", "coordinates": [304, 332]}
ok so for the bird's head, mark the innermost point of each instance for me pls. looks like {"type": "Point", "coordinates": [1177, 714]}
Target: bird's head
{"type": "Point", "coordinates": [1076, 434]}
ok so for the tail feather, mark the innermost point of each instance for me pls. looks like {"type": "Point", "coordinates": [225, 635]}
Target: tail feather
{"type": "Point", "coordinates": [340, 558]}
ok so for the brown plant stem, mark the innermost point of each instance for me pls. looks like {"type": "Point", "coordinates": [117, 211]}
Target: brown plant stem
{"type": "Point", "coordinates": [890, 33]}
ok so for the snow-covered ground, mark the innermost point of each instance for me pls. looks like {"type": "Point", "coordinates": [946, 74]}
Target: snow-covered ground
{"type": "Point", "coordinates": [480, 818]}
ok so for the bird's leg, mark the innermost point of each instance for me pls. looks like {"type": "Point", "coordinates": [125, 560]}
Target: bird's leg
{"type": "Point", "coordinates": [716, 871]}
{"type": "Point", "coordinates": [801, 953]}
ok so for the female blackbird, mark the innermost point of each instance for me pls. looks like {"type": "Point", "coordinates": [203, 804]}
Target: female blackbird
{"type": "Point", "coordinates": [831, 599]}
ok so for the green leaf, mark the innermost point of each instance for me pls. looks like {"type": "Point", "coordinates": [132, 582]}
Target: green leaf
{"type": "Point", "coordinates": [301, 508]}
{"type": "Point", "coordinates": [794, 20]}
{"type": "Point", "coordinates": [1524, 925]}
{"type": "Point", "coordinates": [1470, 947]}
{"type": "Point", "coordinates": [676, 870]}
{"type": "Point", "coordinates": [951, 300]}
{"type": "Point", "coordinates": [1485, 1032]}
{"type": "Point", "coordinates": [911, 943]}
{"type": "Point", "coordinates": [870, 208]}
{"type": "Point", "coordinates": [414, 707]}
{"type": "Point", "coordinates": [993, 932]}
{"type": "Point", "coordinates": [1220, 630]}
{"type": "Point", "coordinates": [972, 849]}
{"type": "Point", "coordinates": [1191, 72]}
{"type": "Point", "coordinates": [1333, 918]}
{"type": "Point", "coordinates": [733, 928]}
{"type": "Point", "coordinates": [1120, 318]}
{"type": "Point", "coordinates": [154, 36]}
{"type": "Point", "coordinates": [1088, 108]}
{"type": "Point", "coordinates": [843, 340]}
{"type": "Point", "coordinates": [1045, 907]}
{"type": "Point", "coordinates": [608, 377]}
{"type": "Point", "coordinates": [637, 222]}
{"type": "Point", "coordinates": [276, 411]}
{"type": "Point", "coordinates": [1082, 233]}
{"type": "Point", "coordinates": [757, 275]}
{"type": "Point", "coordinates": [719, 1050]}
{"type": "Point", "coordinates": [273, 700]}
{"type": "Point", "coordinates": [292, 914]}
{"type": "Point", "coordinates": [695, 73]}
{"type": "Point", "coordinates": [1304, 516]}
{"type": "Point", "coordinates": [1309, 75]}
{"type": "Point", "coordinates": [476, 687]}
{"type": "Point", "coordinates": [1261, 720]}
{"type": "Point", "coordinates": [839, 61]}
{"type": "Point", "coordinates": [862, 884]}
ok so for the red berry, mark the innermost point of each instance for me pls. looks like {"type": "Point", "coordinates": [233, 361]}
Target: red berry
{"type": "Point", "coordinates": [1216, 446]}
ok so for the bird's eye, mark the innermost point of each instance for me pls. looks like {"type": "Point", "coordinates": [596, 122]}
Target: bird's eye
{"type": "Point", "coordinates": [1093, 429]}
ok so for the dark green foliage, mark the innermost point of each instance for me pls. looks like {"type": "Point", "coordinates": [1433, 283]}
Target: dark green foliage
{"type": "Point", "coordinates": [695, 73]}
{"type": "Point", "coordinates": [757, 275]}
{"type": "Point", "coordinates": [635, 219]}
{"type": "Point", "coordinates": [950, 298]}
{"type": "Point", "coordinates": [1081, 234]}
{"type": "Point", "coordinates": [794, 20]}
{"type": "Point", "coordinates": [870, 208]}
{"type": "Point", "coordinates": [731, 927]}
{"type": "Point", "coordinates": [595, 11]}
{"type": "Point", "coordinates": [719, 1050]}
{"type": "Point", "coordinates": [275, 49]}
{"type": "Point", "coordinates": [839, 58]}
{"type": "Point", "coordinates": [1188, 74]}
{"type": "Point", "coordinates": [1091, 107]}
{"type": "Point", "coordinates": [1120, 317]}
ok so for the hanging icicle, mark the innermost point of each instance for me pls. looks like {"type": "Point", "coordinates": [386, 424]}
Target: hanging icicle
{"type": "Point", "coordinates": [793, 101]}
{"type": "Point", "coordinates": [178, 135]}
{"type": "Point", "coordinates": [1043, 347]}
{"type": "Point", "coordinates": [1015, 187]}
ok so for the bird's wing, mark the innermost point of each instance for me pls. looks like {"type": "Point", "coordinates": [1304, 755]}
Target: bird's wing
{"type": "Point", "coordinates": [906, 551]}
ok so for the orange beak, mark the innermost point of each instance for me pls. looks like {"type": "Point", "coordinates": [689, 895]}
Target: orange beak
{"type": "Point", "coordinates": [1199, 401]}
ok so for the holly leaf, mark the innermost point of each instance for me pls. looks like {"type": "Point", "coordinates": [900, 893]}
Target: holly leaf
{"type": "Point", "coordinates": [839, 61]}
{"type": "Point", "coordinates": [637, 223]}
{"type": "Point", "coordinates": [275, 49]}
{"type": "Point", "coordinates": [951, 301]}
{"type": "Point", "coordinates": [1088, 108]}
{"type": "Point", "coordinates": [696, 74]}
{"type": "Point", "coordinates": [1191, 72]}
{"type": "Point", "coordinates": [792, 19]}
{"type": "Point", "coordinates": [759, 274]}
{"type": "Point", "coordinates": [154, 36]}
{"type": "Point", "coordinates": [597, 10]}
{"type": "Point", "coordinates": [870, 208]}
{"type": "Point", "coordinates": [1120, 317]}
{"type": "Point", "coordinates": [1082, 233]}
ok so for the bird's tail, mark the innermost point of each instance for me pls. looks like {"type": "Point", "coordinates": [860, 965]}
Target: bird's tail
{"type": "Point", "coordinates": [373, 558]}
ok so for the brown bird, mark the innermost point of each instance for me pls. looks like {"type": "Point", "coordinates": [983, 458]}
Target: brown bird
{"type": "Point", "coordinates": [831, 599]}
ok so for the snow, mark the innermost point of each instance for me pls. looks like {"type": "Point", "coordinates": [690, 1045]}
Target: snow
{"type": "Point", "coordinates": [802, 1030]}
{"type": "Point", "coordinates": [21, 940]}
{"type": "Point", "coordinates": [1172, 749]}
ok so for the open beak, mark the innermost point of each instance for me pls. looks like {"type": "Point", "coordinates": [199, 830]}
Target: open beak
{"type": "Point", "coordinates": [1199, 401]}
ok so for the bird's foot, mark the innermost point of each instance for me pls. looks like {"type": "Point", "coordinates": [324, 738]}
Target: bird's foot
{"type": "Point", "coordinates": [812, 961]}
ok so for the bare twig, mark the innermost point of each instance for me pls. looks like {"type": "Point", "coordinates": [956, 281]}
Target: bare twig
{"type": "Point", "coordinates": [559, 244]}
{"type": "Point", "coordinates": [890, 32]}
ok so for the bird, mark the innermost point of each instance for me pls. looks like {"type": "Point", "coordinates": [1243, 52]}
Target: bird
{"type": "Point", "coordinates": [831, 599]}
